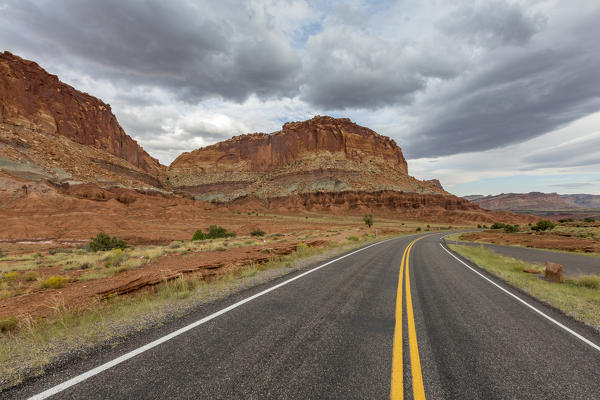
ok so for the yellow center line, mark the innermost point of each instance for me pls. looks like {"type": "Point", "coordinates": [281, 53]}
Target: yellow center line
{"type": "Point", "coordinates": [397, 392]}
{"type": "Point", "coordinates": [415, 362]}
{"type": "Point", "coordinates": [397, 384]}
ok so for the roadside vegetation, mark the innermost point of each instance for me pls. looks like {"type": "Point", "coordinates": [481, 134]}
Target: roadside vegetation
{"type": "Point", "coordinates": [27, 345]}
{"type": "Point", "coordinates": [577, 297]}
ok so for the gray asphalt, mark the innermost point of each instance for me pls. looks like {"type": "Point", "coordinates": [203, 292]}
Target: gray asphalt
{"type": "Point", "coordinates": [574, 264]}
{"type": "Point", "coordinates": [329, 335]}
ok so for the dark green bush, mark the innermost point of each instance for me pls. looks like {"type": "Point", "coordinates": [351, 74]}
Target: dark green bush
{"type": "Point", "coordinates": [565, 220]}
{"type": "Point", "coordinates": [543, 225]}
{"type": "Point", "coordinates": [498, 225]}
{"type": "Point", "coordinates": [199, 235]}
{"type": "Point", "coordinates": [257, 232]}
{"type": "Point", "coordinates": [511, 228]}
{"type": "Point", "coordinates": [418, 229]}
{"type": "Point", "coordinates": [589, 219]}
{"type": "Point", "coordinates": [368, 220]}
{"type": "Point", "coordinates": [213, 232]}
{"type": "Point", "coordinates": [104, 242]}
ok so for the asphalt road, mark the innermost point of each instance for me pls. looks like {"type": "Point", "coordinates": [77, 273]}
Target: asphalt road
{"type": "Point", "coordinates": [574, 264]}
{"type": "Point", "coordinates": [330, 334]}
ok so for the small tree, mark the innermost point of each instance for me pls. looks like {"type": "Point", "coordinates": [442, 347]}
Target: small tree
{"type": "Point", "coordinates": [104, 242]}
{"type": "Point", "coordinates": [511, 228]}
{"type": "Point", "coordinates": [368, 220]}
{"type": "Point", "coordinates": [543, 225]}
{"type": "Point", "coordinates": [198, 235]}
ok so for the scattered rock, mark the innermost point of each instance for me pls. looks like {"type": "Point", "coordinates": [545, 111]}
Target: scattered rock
{"type": "Point", "coordinates": [531, 271]}
{"type": "Point", "coordinates": [554, 272]}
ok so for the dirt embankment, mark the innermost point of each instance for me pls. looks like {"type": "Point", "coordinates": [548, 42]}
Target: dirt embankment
{"type": "Point", "coordinates": [78, 295]}
{"type": "Point", "coordinates": [547, 240]}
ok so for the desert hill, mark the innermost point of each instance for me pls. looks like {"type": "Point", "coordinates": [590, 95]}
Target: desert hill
{"type": "Point", "coordinates": [536, 201]}
{"type": "Point", "coordinates": [49, 130]}
{"type": "Point", "coordinates": [323, 154]}
{"type": "Point", "coordinates": [68, 170]}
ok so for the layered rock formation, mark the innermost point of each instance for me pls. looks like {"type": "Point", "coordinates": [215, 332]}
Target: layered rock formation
{"type": "Point", "coordinates": [536, 201]}
{"type": "Point", "coordinates": [51, 130]}
{"type": "Point", "coordinates": [323, 154]}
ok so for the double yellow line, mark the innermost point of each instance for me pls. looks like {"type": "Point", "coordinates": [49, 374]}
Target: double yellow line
{"type": "Point", "coordinates": [397, 391]}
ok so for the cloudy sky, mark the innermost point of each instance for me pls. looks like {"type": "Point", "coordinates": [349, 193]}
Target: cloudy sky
{"type": "Point", "coordinates": [487, 96]}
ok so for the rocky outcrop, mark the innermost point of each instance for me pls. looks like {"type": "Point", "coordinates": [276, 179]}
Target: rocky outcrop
{"type": "Point", "coordinates": [321, 154]}
{"type": "Point", "coordinates": [554, 272]}
{"type": "Point", "coordinates": [33, 99]}
{"type": "Point", "coordinates": [524, 201]}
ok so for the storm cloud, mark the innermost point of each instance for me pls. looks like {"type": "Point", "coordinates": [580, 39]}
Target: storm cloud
{"type": "Point", "coordinates": [441, 78]}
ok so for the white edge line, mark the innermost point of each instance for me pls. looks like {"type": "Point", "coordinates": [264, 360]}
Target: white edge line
{"type": "Point", "coordinates": [572, 332]}
{"type": "Point", "coordinates": [80, 378]}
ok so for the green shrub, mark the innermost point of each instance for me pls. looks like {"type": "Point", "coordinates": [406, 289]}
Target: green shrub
{"type": "Point", "coordinates": [353, 238]}
{"type": "Point", "coordinates": [497, 225]}
{"type": "Point", "coordinates": [485, 227]}
{"type": "Point", "coordinates": [1, 253]}
{"type": "Point", "coordinates": [368, 220]}
{"type": "Point", "coordinates": [213, 232]}
{"type": "Point", "coordinates": [543, 225]}
{"type": "Point", "coordinates": [565, 220]}
{"type": "Point", "coordinates": [589, 219]}
{"type": "Point", "coordinates": [418, 229]}
{"type": "Point", "coordinates": [103, 242]}
{"type": "Point", "coordinates": [8, 323]}
{"type": "Point", "coordinates": [54, 282]}
{"type": "Point", "coordinates": [257, 232]}
{"type": "Point", "coordinates": [511, 228]}
{"type": "Point", "coordinates": [479, 226]}
{"type": "Point", "coordinates": [198, 235]}
{"type": "Point", "coordinates": [30, 276]}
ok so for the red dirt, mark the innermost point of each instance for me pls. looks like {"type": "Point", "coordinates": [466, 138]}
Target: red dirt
{"type": "Point", "coordinates": [539, 240]}
{"type": "Point", "coordinates": [82, 295]}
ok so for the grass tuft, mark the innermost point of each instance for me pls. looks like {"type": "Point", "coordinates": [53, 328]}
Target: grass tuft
{"type": "Point", "coordinates": [54, 282]}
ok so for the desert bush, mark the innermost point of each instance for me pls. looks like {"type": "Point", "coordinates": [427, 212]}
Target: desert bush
{"type": "Point", "coordinates": [30, 276]}
{"type": "Point", "coordinates": [103, 242]}
{"type": "Point", "coordinates": [216, 232]}
{"type": "Point", "coordinates": [418, 229]}
{"type": "Point", "coordinates": [353, 238]}
{"type": "Point", "coordinates": [565, 220]}
{"type": "Point", "coordinates": [199, 235]}
{"type": "Point", "coordinates": [497, 225]}
{"type": "Point", "coordinates": [54, 282]}
{"type": "Point", "coordinates": [213, 232]}
{"type": "Point", "coordinates": [257, 232]}
{"type": "Point", "coordinates": [176, 244]}
{"type": "Point", "coordinates": [589, 219]}
{"type": "Point", "coordinates": [484, 226]}
{"type": "Point", "coordinates": [114, 258]}
{"type": "Point", "coordinates": [10, 276]}
{"type": "Point", "coordinates": [543, 225]}
{"type": "Point", "coordinates": [8, 323]}
{"type": "Point", "coordinates": [590, 281]}
{"type": "Point", "coordinates": [368, 220]}
{"type": "Point", "coordinates": [511, 228]}
{"type": "Point", "coordinates": [479, 226]}
{"type": "Point", "coordinates": [1, 253]}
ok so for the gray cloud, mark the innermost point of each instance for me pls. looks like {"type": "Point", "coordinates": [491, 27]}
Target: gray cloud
{"type": "Point", "coordinates": [352, 69]}
{"type": "Point", "coordinates": [522, 94]}
{"type": "Point", "coordinates": [492, 23]}
{"type": "Point", "coordinates": [197, 50]}
{"type": "Point", "coordinates": [575, 154]}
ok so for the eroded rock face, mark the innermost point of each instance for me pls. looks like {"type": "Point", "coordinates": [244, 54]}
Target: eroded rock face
{"type": "Point", "coordinates": [33, 99]}
{"type": "Point", "coordinates": [321, 154]}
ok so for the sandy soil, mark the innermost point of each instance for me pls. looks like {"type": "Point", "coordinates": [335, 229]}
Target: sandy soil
{"type": "Point", "coordinates": [546, 240]}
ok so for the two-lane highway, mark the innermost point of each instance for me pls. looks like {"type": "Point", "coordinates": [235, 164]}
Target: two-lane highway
{"type": "Point", "coordinates": [361, 327]}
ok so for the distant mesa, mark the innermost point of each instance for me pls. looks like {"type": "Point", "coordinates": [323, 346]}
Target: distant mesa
{"type": "Point", "coordinates": [536, 201]}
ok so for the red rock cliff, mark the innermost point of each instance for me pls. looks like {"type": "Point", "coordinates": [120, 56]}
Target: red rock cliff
{"type": "Point", "coordinates": [34, 99]}
{"type": "Point", "coordinates": [321, 154]}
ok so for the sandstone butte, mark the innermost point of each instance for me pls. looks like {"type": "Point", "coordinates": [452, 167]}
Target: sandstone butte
{"type": "Point", "coordinates": [323, 154]}
{"type": "Point", "coordinates": [61, 138]}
